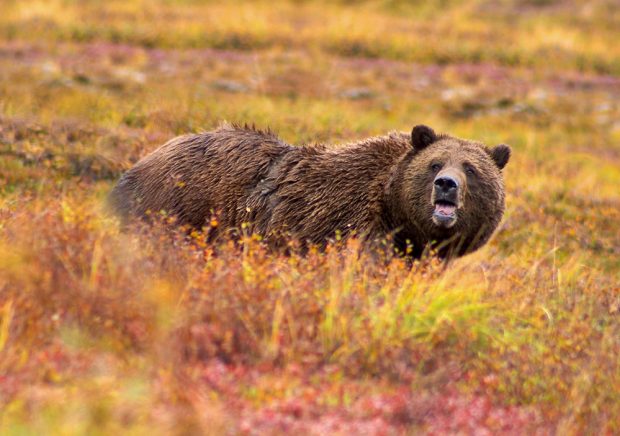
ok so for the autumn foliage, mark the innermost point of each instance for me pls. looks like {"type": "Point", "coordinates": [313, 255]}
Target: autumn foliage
{"type": "Point", "coordinates": [151, 329]}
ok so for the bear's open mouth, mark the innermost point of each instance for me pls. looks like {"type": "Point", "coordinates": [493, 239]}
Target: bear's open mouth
{"type": "Point", "coordinates": [444, 214]}
{"type": "Point", "coordinates": [445, 207]}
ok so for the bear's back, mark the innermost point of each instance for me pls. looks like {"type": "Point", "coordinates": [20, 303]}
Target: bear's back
{"type": "Point", "coordinates": [194, 176]}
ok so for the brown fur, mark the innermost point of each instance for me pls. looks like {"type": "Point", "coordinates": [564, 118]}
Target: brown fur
{"type": "Point", "coordinates": [377, 188]}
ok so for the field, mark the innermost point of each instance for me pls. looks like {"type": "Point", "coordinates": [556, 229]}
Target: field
{"type": "Point", "coordinates": [156, 332]}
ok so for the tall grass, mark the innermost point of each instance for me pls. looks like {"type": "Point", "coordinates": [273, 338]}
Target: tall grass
{"type": "Point", "coordinates": [77, 291]}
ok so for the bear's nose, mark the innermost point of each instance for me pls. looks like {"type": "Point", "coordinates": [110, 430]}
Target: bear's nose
{"type": "Point", "coordinates": [446, 184]}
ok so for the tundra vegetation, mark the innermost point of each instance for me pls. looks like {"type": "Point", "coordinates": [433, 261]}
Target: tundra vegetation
{"type": "Point", "coordinates": [156, 331]}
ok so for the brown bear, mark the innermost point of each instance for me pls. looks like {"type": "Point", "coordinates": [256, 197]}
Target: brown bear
{"type": "Point", "coordinates": [415, 190]}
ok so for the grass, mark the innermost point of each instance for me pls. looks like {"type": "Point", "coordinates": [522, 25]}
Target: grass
{"type": "Point", "coordinates": [153, 331]}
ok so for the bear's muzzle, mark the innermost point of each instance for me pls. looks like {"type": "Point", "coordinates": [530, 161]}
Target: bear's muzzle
{"type": "Point", "coordinates": [445, 199]}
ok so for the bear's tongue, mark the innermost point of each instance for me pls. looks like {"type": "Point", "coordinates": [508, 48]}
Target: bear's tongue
{"type": "Point", "coordinates": [444, 209]}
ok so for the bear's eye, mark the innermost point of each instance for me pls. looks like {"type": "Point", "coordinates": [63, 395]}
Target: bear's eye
{"type": "Point", "coordinates": [436, 167]}
{"type": "Point", "coordinates": [470, 171]}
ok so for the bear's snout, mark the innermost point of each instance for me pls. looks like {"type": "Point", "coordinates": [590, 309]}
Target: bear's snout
{"type": "Point", "coordinates": [445, 199]}
{"type": "Point", "coordinates": [447, 187]}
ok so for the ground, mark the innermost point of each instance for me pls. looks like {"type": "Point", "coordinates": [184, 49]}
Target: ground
{"type": "Point", "coordinates": [151, 332]}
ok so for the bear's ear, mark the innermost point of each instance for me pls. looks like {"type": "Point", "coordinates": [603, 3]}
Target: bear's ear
{"type": "Point", "coordinates": [422, 136]}
{"type": "Point", "coordinates": [500, 154]}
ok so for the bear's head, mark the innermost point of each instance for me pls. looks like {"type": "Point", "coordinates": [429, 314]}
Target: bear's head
{"type": "Point", "coordinates": [453, 190]}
